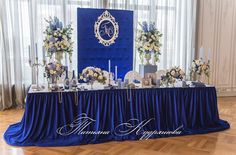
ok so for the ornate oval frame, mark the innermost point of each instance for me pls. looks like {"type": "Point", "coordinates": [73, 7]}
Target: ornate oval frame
{"type": "Point", "coordinates": [106, 16]}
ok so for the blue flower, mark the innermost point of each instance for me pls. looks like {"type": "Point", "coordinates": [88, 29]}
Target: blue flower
{"type": "Point", "coordinates": [52, 39]}
{"type": "Point", "coordinates": [55, 24]}
{"type": "Point", "coordinates": [52, 49]}
{"type": "Point", "coordinates": [151, 26]}
{"type": "Point", "coordinates": [145, 26]}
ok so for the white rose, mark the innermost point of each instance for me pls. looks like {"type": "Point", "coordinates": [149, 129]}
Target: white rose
{"type": "Point", "coordinates": [95, 74]}
{"type": "Point", "coordinates": [100, 77]}
{"type": "Point", "coordinates": [181, 72]}
{"type": "Point", "coordinates": [90, 72]}
{"type": "Point", "coordinates": [204, 67]}
{"type": "Point", "coordinates": [98, 69]}
{"type": "Point", "coordinates": [172, 73]}
{"type": "Point", "coordinates": [197, 62]}
{"type": "Point", "coordinates": [64, 37]}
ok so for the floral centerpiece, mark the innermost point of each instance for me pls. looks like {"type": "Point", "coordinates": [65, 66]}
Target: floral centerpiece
{"type": "Point", "coordinates": [167, 79]}
{"type": "Point", "coordinates": [173, 74]}
{"type": "Point", "coordinates": [199, 67]}
{"type": "Point", "coordinates": [177, 73]}
{"type": "Point", "coordinates": [54, 70]}
{"type": "Point", "coordinates": [148, 42]}
{"type": "Point", "coordinates": [92, 74]}
{"type": "Point", "coordinates": [58, 39]}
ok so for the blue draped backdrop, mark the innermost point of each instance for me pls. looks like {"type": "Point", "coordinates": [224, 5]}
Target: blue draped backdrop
{"type": "Point", "coordinates": [93, 53]}
{"type": "Point", "coordinates": [53, 119]}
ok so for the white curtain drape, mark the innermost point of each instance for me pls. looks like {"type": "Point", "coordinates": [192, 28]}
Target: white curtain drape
{"type": "Point", "coordinates": [11, 53]}
{"type": "Point", "coordinates": [22, 23]}
{"type": "Point", "coordinates": [176, 19]}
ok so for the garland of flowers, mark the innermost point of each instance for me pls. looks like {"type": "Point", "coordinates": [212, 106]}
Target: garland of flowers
{"type": "Point", "coordinates": [91, 74]}
{"type": "Point", "coordinates": [171, 75]}
{"type": "Point", "coordinates": [199, 67]}
{"type": "Point", "coordinates": [58, 39]}
{"type": "Point", "coordinates": [148, 42]}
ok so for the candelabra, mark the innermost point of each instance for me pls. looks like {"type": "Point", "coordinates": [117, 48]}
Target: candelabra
{"type": "Point", "coordinates": [36, 65]}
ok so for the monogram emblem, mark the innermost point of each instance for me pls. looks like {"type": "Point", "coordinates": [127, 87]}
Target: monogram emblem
{"type": "Point", "coordinates": [106, 29]}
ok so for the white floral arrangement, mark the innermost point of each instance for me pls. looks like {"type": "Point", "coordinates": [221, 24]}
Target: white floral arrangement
{"type": "Point", "coordinates": [58, 39]}
{"type": "Point", "coordinates": [172, 75]}
{"type": "Point", "coordinates": [200, 67]}
{"type": "Point", "coordinates": [54, 70]}
{"type": "Point", "coordinates": [177, 73]}
{"type": "Point", "coordinates": [92, 74]}
{"type": "Point", "coordinates": [148, 41]}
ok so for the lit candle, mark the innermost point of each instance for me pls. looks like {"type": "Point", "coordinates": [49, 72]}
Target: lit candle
{"type": "Point", "coordinates": [36, 51]}
{"type": "Point", "coordinates": [109, 66]}
{"type": "Point", "coordinates": [115, 72]}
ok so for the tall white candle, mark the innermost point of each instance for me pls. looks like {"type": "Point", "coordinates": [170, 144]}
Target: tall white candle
{"type": "Point", "coordinates": [44, 56]}
{"type": "Point", "coordinates": [115, 72]}
{"type": "Point", "coordinates": [109, 66]}
{"type": "Point", "coordinates": [201, 53]}
{"type": "Point", "coordinates": [36, 50]}
{"type": "Point", "coordinates": [29, 53]}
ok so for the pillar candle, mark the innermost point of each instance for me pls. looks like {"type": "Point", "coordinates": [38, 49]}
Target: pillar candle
{"type": "Point", "coordinates": [44, 56]}
{"type": "Point", "coordinates": [36, 50]}
{"type": "Point", "coordinates": [29, 53]}
{"type": "Point", "coordinates": [115, 72]}
{"type": "Point", "coordinates": [109, 66]}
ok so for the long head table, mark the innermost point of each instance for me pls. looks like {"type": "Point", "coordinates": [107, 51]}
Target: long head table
{"type": "Point", "coordinates": [82, 117]}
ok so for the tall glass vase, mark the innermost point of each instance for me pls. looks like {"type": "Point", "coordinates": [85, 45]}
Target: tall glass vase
{"type": "Point", "coordinates": [198, 77]}
{"type": "Point", "coordinates": [208, 80]}
{"type": "Point", "coordinates": [59, 56]}
{"type": "Point", "coordinates": [91, 84]}
{"type": "Point", "coordinates": [53, 83]}
{"type": "Point", "coordinates": [148, 57]}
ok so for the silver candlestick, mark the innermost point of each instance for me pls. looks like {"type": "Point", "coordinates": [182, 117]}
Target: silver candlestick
{"type": "Point", "coordinates": [36, 65]}
{"type": "Point", "coordinates": [109, 81]}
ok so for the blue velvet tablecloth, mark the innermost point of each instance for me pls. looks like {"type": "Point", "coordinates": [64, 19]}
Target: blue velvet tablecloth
{"type": "Point", "coordinates": [73, 118]}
